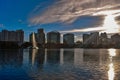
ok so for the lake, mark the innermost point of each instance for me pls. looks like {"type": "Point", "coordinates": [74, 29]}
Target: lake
{"type": "Point", "coordinates": [60, 64]}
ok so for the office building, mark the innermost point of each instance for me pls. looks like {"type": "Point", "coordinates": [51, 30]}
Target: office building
{"type": "Point", "coordinates": [68, 38]}
{"type": "Point", "coordinates": [115, 39]}
{"type": "Point", "coordinates": [14, 36]}
{"type": "Point", "coordinates": [41, 36]}
{"type": "Point", "coordinates": [20, 36]}
{"type": "Point", "coordinates": [92, 39]}
{"type": "Point", "coordinates": [85, 38]}
{"type": "Point", "coordinates": [103, 39]}
{"type": "Point", "coordinates": [53, 37]}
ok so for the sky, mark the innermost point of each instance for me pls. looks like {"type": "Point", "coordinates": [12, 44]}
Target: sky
{"type": "Point", "coordinates": [65, 16]}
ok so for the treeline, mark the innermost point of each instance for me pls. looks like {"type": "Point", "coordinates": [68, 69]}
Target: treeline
{"type": "Point", "coordinates": [52, 45]}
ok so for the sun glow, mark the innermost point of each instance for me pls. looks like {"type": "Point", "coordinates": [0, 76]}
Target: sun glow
{"type": "Point", "coordinates": [110, 25]}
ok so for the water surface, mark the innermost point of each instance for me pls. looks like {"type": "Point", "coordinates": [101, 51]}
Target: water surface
{"type": "Point", "coordinates": [60, 64]}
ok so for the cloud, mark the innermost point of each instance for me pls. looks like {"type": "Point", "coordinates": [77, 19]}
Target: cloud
{"type": "Point", "coordinates": [84, 30]}
{"type": "Point", "coordinates": [118, 19]}
{"type": "Point", "coordinates": [69, 10]}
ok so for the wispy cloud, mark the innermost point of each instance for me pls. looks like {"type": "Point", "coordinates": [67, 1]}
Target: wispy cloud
{"type": "Point", "coordinates": [84, 30]}
{"type": "Point", "coordinates": [69, 10]}
{"type": "Point", "coordinates": [109, 23]}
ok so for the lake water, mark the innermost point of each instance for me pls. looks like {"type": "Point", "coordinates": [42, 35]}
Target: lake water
{"type": "Point", "coordinates": [60, 64]}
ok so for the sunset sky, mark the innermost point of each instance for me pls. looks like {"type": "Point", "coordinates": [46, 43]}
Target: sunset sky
{"type": "Point", "coordinates": [66, 16]}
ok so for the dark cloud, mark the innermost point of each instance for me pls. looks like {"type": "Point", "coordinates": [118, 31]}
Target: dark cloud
{"type": "Point", "coordinates": [92, 21]}
{"type": "Point", "coordinates": [118, 19]}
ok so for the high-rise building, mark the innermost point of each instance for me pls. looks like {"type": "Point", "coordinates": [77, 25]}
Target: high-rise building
{"type": "Point", "coordinates": [15, 36]}
{"type": "Point", "coordinates": [103, 39]}
{"type": "Point", "coordinates": [41, 36]}
{"type": "Point", "coordinates": [68, 38]}
{"type": "Point", "coordinates": [115, 39]}
{"type": "Point", "coordinates": [4, 35]}
{"type": "Point", "coordinates": [53, 37]}
{"type": "Point", "coordinates": [12, 36]}
{"type": "Point", "coordinates": [85, 38]}
{"type": "Point", "coordinates": [30, 37]}
{"type": "Point", "coordinates": [104, 35]}
{"type": "Point", "coordinates": [0, 36]}
{"type": "Point", "coordinates": [21, 34]}
{"type": "Point", "coordinates": [92, 38]}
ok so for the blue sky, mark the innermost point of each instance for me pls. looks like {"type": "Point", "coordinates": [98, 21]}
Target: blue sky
{"type": "Point", "coordinates": [60, 15]}
{"type": "Point", "coordinates": [14, 14]}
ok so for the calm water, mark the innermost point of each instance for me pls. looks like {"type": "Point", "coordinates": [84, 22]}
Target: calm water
{"type": "Point", "coordinates": [60, 64]}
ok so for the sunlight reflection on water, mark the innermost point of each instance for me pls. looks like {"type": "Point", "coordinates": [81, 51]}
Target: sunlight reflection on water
{"type": "Point", "coordinates": [111, 72]}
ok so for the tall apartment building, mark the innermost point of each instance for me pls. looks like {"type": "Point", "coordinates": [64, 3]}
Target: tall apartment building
{"type": "Point", "coordinates": [92, 38]}
{"type": "Point", "coordinates": [53, 37]}
{"type": "Point", "coordinates": [14, 36]}
{"type": "Point", "coordinates": [41, 36]}
{"type": "Point", "coordinates": [68, 38]}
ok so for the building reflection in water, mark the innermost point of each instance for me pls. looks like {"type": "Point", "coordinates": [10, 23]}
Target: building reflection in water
{"type": "Point", "coordinates": [75, 56]}
{"type": "Point", "coordinates": [71, 56]}
{"type": "Point", "coordinates": [78, 57]}
{"type": "Point", "coordinates": [111, 73]}
{"type": "Point", "coordinates": [68, 56]}
{"type": "Point", "coordinates": [41, 61]}
{"type": "Point", "coordinates": [36, 57]}
{"type": "Point", "coordinates": [53, 60]}
{"type": "Point", "coordinates": [90, 56]}
{"type": "Point", "coordinates": [53, 56]}
{"type": "Point", "coordinates": [64, 56]}
{"type": "Point", "coordinates": [11, 58]}
{"type": "Point", "coordinates": [61, 56]}
{"type": "Point", "coordinates": [26, 58]}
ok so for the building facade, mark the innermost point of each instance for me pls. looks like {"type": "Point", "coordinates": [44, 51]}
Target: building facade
{"type": "Point", "coordinates": [115, 39]}
{"type": "Point", "coordinates": [41, 36]}
{"type": "Point", "coordinates": [53, 37]}
{"type": "Point", "coordinates": [91, 39]}
{"type": "Point", "coordinates": [85, 38]}
{"type": "Point", "coordinates": [103, 39]}
{"type": "Point", "coordinates": [13, 36]}
{"type": "Point", "coordinates": [68, 38]}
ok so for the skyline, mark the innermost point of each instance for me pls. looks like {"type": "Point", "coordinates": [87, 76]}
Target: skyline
{"type": "Point", "coordinates": [75, 16]}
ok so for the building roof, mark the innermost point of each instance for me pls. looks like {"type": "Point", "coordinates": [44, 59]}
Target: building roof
{"type": "Point", "coordinates": [54, 32]}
